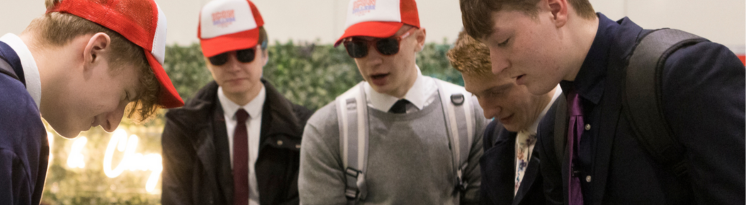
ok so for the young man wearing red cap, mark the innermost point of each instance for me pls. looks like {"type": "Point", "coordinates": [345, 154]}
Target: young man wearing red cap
{"type": "Point", "coordinates": [398, 137]}
{"type": "Point", "coordinates": [238, 140]}
{"type": "Point", "coordinates": [652, 116]}
{"type": "Point", "coordinates": [78, 66]}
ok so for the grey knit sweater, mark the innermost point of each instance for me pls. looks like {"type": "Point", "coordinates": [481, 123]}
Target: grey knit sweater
{"type": "Point", "coordinates": [409, 161]}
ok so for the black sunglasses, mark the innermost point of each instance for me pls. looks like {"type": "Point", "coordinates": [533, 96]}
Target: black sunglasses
{"type": "Point", "coordinates": [358, 48]}
{"type": "Point", "coordinates": [244, 56]}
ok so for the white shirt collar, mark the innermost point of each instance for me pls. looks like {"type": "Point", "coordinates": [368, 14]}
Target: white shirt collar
{"type": "Point", "coordinates": [535, 126]}
{"type": "Point", "coordinates": [417, 94]}
{"type": "Point", "coordinates": [30, 71]}
{"type": "Point", "coordinates": [254, 107]}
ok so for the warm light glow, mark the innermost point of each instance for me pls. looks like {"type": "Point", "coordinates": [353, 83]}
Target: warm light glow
{"type": "Point", "coordinates": [76, 159]}
{"type": "Point", "coordinates": [50, 138]}
{"type": "Point", "coordinates": [130, 160]}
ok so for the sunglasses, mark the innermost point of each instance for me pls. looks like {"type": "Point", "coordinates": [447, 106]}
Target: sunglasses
{"type": "Point", "coordinates": [358, 48]}
{"type": "Point", "coordinates": [243, 56]}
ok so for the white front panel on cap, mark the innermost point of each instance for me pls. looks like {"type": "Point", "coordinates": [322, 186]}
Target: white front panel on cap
{"type": "Point", "coordinates": [159, 40]}
{"type": "Point", "coordinates": [372, 10]}
{"type": "Point", "coordinates": [222, 17]}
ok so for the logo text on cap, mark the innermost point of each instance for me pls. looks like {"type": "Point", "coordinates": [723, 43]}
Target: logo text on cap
{"type": "Point", "coordinates": [360, 7]}
{"type": "Point", "coordinates": [223, 18]}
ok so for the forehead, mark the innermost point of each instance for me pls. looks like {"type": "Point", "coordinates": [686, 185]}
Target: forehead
{"type": "Point", "coordinates": [509, 19]}
{"type": "Point", "coordinates": [479, 82]}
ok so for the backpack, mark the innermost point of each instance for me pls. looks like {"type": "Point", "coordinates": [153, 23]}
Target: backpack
{"type": "Point", "coordinates": [352, 116]}
{"type": "Point", "coordinates": [642, 99]}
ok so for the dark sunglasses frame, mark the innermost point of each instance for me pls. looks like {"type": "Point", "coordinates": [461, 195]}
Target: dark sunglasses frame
{"type": "Point", "coordinates": [243, 56]}
{"type": "Point", "coordinates": [358, 48]}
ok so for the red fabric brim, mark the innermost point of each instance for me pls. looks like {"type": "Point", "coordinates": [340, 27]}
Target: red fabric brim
{"type": "Point", "coordinates": [229, 42]}
{"type": "Point", "coordinates": [168, 98]}
{"type": "Point", "coordinates": [375, 29]}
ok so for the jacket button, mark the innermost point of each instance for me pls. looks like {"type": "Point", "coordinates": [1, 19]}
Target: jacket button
{"type": "Point", "coordinates": [297, 146]}
{"type": "Point", "coordinates": [588, 178]}
{"type": "Point", "coordinates": [279, 142]}
{"type": "Point", "coordinates": [587, 126]}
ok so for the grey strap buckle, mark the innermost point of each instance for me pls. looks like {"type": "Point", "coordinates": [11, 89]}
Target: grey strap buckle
{"type": "Point", "coordinates": [352, 193]}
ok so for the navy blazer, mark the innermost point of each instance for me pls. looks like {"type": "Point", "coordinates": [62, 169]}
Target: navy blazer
{"type": "Point", "coordinates": [498, 170]}
{"type": "Point", "coordinates": [24, 148]}
{"type": "Point", "coordinates": [702, 101]}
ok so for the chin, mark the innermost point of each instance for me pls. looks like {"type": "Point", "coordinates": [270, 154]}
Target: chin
{"type": "Point", "coordinates": [64, 129]}
{"type": "Point", "coordinates": [69, 134]}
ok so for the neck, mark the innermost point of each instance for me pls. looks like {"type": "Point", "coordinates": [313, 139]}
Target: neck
{"type": "Point", "coordinates": [399, 93]}
{"type": "Point", "coordinates": [583, 32]}
{"type": "Point", "coordinates": [244, 98]}
{"type": "Point", "coordinates": [544, 100]}
{"type": "Point", "coordinates": [45, 65]}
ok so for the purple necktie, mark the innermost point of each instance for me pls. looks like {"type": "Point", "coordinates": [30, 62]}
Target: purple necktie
{"type": "Point", "coordinates": [574, 131]}
{"type": "Point", "coordinates": [241, 160]}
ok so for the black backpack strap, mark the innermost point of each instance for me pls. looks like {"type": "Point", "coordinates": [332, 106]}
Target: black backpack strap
{"type": "Point", "coordinates": [6, 69]}
{"type": "Point", "coordinates": [560, 128]}
{"type": "Point", "coordinates": [642, 96]}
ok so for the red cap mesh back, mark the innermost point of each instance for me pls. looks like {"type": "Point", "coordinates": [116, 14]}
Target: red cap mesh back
{"type": "Point", "coordinates": [135, 20]}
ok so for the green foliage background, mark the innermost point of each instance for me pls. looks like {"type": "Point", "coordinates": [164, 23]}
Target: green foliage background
{"type": "Point", "coordinates": [308, 74]}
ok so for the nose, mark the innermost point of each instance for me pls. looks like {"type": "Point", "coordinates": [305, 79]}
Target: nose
{"type": "Point", "coordinates": [113, 118]}
{"type": "Point", "coordinates": [499, 61]}
{"type": "Point", "coordinates": [232, 65]}
{"type": "Point", "coordinates": [374, 57]}
{"type": "Point", "coordinates": [490, 109]}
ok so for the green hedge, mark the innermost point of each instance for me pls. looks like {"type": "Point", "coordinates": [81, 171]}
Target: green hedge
{"type": "Point", "coordinates": [308, 74]}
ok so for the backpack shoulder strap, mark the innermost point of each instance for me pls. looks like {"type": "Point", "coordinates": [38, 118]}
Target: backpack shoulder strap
{"type": "Point", "coordinates": [460, 125]}
{"type": "Point", "coordinates": [560, 127]}
{"type": "Point", "coordinates": [6, 69]}
{"type": "Point", "coordinates": [642, 91]}
{"type": "Point", "coordinates": [352, 116]}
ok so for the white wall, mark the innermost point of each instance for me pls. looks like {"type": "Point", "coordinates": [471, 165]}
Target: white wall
{"type": "Point", "coordinates": [722, 21]}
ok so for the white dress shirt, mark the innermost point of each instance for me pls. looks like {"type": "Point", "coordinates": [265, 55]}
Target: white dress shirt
{"type": "Point", "coordinates": [253, 125]}
{"type": "Point", "coordinates": [524, 134]}
{"type": "Point", "coordinates": [30, 71]}
{"type": "Point", "coordinates": [421, 94]}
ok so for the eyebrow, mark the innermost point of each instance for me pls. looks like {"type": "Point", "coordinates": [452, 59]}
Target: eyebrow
{"type": "Point", "coordinates": [499, 87]}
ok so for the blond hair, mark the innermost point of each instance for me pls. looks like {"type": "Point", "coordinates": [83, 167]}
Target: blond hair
{"type": "Point", "coordinates": [470, 56]}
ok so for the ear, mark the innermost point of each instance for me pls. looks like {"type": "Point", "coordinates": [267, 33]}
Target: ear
{"type": "Point", "coordinates": [559, 11]}
{"type": "Point", "coordinates": [420, 34]}
{"type": "Point", "coordinates": [265, 56]}
{"type": "Point", "coordinates": [97, 50]}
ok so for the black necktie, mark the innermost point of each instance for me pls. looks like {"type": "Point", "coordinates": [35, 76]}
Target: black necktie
{"type": "Point", "coordinates": [399, 107]}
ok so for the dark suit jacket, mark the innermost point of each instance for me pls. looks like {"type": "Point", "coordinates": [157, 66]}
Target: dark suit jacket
{"type": "Point", "coordinates": [703, 102]}
{"type": "Point", "coordinates": [498, 170]}
{"type": "Point", "coordinates": [24, 148]}
{"type": "Point", "coordinates": [196, 158]}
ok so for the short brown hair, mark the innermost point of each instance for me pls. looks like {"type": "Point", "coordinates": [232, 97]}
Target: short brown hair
{"type": "Point", "coordinates": [470, 56]}
{"type": "Point", "coordinates": [59, 29]}
{"type": "Point", "coordinates": [263, 38]}
{"type": "Point", "coordinates": [477, 14]}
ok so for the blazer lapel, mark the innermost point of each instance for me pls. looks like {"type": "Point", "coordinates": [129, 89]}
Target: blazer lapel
{"type": "Point", "coordinates": [222, 151]}
{"type": "Point", "coordinates": [499, 161]}
{"type": "Point", "coordinates": [532, 171]}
